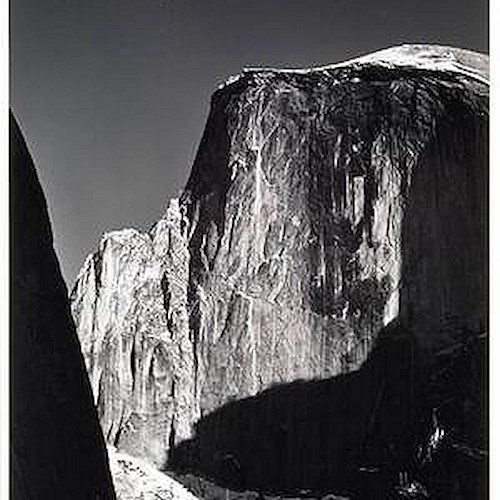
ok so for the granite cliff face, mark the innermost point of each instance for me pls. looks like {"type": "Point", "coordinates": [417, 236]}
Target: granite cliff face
{"type": "Point", "coordinates": [324, 206]}
{"type": "Point", "coordinates": [130, 304]}
{"type": "Point", "coordinates": [57, 448]}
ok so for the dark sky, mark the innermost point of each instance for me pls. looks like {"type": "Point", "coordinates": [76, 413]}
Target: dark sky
{"type": "Point", "coordinates": [112, 95]}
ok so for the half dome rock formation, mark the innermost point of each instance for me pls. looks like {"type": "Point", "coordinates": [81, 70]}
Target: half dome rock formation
{"type": "Point", "coordinates": [324, 207]}
{"type": "Point", "coordinates": [57, 447]}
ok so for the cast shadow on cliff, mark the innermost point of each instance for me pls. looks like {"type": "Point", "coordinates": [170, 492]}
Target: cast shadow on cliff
{"type": "Point", "coordinates": [363, 434]}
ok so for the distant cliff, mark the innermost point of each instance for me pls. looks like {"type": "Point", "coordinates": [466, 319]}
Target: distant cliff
{"type": "Point", "coordinates": [57, 447]}
{"type": "Point", "coordinates": [130, 305]}
{"type": "Point", "coordinates": [324, 206]}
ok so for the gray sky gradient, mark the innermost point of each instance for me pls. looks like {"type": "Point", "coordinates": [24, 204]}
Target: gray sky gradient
{"type": "Point", "coordinates": [112, 95]}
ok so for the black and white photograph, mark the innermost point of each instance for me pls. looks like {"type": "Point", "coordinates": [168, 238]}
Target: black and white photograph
{"type": "Point", "coordinates": [249, 250]}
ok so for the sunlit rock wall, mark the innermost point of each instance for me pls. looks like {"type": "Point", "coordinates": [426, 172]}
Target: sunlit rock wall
{"type": "Point", "coordinates": [130, 306]}
{"type": "Point", "coordinates": [324, 205]}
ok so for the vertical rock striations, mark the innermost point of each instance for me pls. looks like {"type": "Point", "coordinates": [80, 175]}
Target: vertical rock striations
{"type": "Point", "coordinates": [130, 304]}
{"type": "Point", "coordinates": [57, 448]}
{"type": "Point", "coordinates": [323, 206]}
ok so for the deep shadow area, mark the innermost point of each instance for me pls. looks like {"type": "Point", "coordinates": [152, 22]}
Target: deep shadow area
{"type": "Point", "coordinates": [444, 288]}
{"type": "Point", "coordinates": [364, 434]}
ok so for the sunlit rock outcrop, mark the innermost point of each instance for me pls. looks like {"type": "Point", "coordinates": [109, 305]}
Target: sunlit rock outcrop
{"type": "Point", "coordinates": [135, 479]}
{"type": "Point", "coordinates": [130, 305]}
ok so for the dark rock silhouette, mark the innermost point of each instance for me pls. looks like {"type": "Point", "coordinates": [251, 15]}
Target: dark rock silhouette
{"type": "Point", "coordinates": [57, 448]}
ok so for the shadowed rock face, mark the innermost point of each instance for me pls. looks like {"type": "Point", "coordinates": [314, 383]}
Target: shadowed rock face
{"type": "Point", "coordinates": [323, 205]}
{"type": "Point", "coordinates": [57, 448]}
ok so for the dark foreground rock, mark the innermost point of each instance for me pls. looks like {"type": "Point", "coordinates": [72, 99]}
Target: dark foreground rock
{"type": "Point", "coordinates": [57, 447]}
{"type": "Point", "coordinates": [325, 208]}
